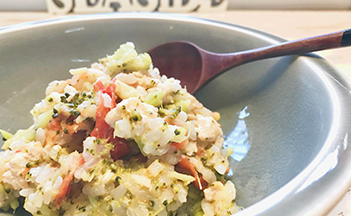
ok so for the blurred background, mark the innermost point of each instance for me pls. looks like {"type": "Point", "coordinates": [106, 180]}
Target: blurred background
{"type": "Point", "coordinates": [42, 5]}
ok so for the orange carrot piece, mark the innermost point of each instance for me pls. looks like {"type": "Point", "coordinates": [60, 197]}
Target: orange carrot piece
{"type": "Point", "coordinates": [180, 145]}
{"type": "Point", "coordinates": [185, 164]}
{"type": "Point", "coordinates": [65, 186]}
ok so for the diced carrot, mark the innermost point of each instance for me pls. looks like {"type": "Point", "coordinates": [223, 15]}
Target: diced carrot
{"type": "Point", "coordinates": [53, 128]}
{"type": "Point", "coordinates": [105, 131]}
{"type": "Point", "coordinates": [63, 191]}
{"type": "Point", "coordinates": [101, 126]}
{"type": "Point", "coordinates": [65, 186]}
{"type": "Point", "coordinates": [189, 168]}
{"type": "Point", "coordinates": [110, 90]}
{"type": "Point", "coordinates": [98, 86]}
{"type": "Point", "coordinates": [180, 145]}
{"type": "Point", "coordinates": [201, 183]}
{"type": "Point", "coordinates": [169, 121]}
{"type": "Point", "coordinates": [54, 125]}
{"type": "Point", "coordinates": [71, 129]}
{"type": "Point", "coordinates": [200, 151]}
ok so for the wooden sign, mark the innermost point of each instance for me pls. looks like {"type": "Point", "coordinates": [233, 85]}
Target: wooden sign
{"type": "Point", "coordinates": [61, 7]}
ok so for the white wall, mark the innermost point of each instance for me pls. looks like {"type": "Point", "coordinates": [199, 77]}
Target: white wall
{"type": "Point", "coordinates": [291, 4]}
{"type": "Point", "coordinates": [40, 5]}
{"type": "Point", "coordinates": [22, 5]}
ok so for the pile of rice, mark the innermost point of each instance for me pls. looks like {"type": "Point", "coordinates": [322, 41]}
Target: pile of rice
{"type": "Point", "coordinates": [118, 139]}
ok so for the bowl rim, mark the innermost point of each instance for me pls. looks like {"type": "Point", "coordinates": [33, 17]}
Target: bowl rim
{"type": "Point", "coordinates": [300, 184]}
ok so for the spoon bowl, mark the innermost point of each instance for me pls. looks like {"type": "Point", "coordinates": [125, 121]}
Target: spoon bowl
{"type": "Point", "coordinates": [195, 66]}
{"type": "Point", "coordinates": [181, 60]}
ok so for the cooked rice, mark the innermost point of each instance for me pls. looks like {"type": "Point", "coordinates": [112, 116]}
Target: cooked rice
{"type": "Point", "coordinates": [118, 139]}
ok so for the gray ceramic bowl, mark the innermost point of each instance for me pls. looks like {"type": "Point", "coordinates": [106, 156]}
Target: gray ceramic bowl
{"type": "Point", "coordinates": [287, 118]}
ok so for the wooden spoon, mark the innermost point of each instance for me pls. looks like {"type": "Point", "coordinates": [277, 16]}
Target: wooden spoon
{"type": "Point", "coordinates": [195, 66]}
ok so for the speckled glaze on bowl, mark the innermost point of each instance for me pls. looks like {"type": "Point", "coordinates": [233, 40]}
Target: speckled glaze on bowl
{"type": "Point", "coordinates": [287, 118]}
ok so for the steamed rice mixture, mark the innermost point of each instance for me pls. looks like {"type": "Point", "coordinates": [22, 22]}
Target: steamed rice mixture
{"type": "Point", "coordinates": [118, 139]}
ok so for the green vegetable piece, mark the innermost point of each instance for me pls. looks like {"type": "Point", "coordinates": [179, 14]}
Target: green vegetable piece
{"type": "Point", "coordinates": [175, 112]}
{"type": "Point", "coordinates": [74, 112]}
{"type": "Point", "coordinates": [126, 59]}
{"type": "Point", "coordinates": [44, 119]}
{"type": "Point", "coordinates": [117, 179]}
{"type": "Point", "coordinates": [140, 145]}
{"type": "Point", "coordinates": [135, 115]}
{"type": "Point", "coordinates": [197, 210]}
{"type": "Point", "coordinates": [28, 134]}
{"type": "Point", "coordinates": [176, 132]}
{"type": "Point", "coordinates": [141, 62]}
{"type": "Point", "coordinates": [162, 112]}
{"type": "Point", "coordinates": [180, 135]}
{"type": "Point", "coordinates": [6, 134]}
{"type": "Point", "coordinates": [155, 98]}
{"type": "Point", "coordinates": [184, 104]}
{"type": "Point", "coordinates": [14, 204]}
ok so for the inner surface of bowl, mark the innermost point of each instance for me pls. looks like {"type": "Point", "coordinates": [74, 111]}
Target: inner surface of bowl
{"type": "Point", "coordinates": [277, 114]}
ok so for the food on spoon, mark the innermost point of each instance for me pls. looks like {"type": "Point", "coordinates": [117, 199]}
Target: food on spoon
{"type": "Point", "coordinates": [118, 139]}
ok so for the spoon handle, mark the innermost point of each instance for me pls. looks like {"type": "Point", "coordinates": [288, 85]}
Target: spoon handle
{"type": "Point", "coordinates": [346, 38]}
{"type": "Point", "coordinates": [296, 47]}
